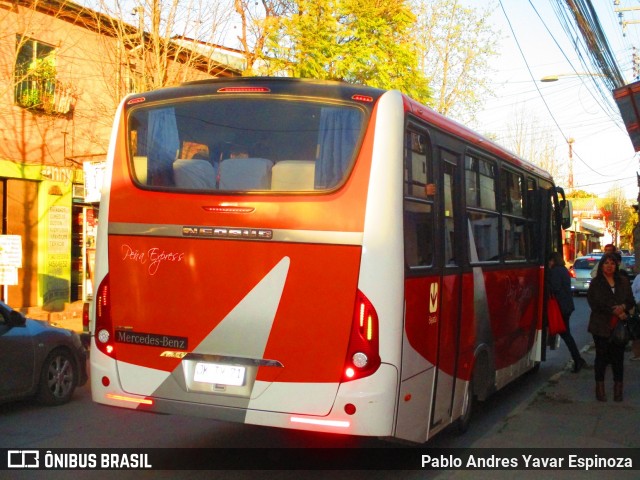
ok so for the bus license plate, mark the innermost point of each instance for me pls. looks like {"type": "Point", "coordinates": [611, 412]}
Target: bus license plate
{"type": "Point", "coordinates": [219, 374]}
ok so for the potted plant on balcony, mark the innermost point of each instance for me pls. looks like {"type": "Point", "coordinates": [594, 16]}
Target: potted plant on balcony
{"type": "Point", "coordinates": [38, 85]}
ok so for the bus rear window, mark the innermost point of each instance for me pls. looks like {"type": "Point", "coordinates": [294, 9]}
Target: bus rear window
{"type": "Point", "coordinates": [243, 144]}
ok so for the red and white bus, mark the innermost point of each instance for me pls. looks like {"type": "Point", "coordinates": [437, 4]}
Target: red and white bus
{"type": "Point", "coordinates": [314, 255]}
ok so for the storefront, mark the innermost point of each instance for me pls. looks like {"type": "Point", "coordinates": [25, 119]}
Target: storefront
{"type": "Point", "coordinates": [55, 225]}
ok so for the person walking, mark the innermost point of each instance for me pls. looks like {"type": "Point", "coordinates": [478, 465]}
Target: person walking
{"type": "Point", "coordinates": [560, 288]}
{"type": "Point", "coordinates": [610, 299]}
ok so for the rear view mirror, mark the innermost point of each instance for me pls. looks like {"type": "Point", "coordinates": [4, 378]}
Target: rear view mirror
{"type": "Point", "coordinates": [16, 319]}
{"type": "Point", "coordinates": [566, 212]}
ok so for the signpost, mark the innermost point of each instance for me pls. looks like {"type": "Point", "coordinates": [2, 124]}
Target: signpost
{"type": "Point", "coordinates": [10, 261]}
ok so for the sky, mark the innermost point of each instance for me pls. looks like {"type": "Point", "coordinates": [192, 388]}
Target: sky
{"type": "Point", "coordinates": [572, 107]}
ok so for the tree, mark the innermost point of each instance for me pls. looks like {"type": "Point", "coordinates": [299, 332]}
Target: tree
{"type": "Point", "coordinates": [456, 44]}
{"type": "Point", "coordinates": [532, 141]}
{"type": "Point", "coordinates": [379, 47]}
{"type": "Point", "coordinates": [618, 215]}
{"type": "Point", "coordinates": [173, 41]}
{"type": "Point", "coordinates": [581, 194]}
{"type": "Point", "coordinates": [257, 22]}
{"type": "Point", "coordinates": [359, 41]}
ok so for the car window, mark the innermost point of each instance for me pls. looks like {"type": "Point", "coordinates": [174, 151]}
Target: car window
{"type": "Point", "coordinates": [585, 263]}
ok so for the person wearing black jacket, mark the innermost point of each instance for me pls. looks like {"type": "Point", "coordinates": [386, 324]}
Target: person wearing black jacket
{"type": "Point", "coordinates": [560, 287]}
{"type": "Point", "coordinates": [610, 299]}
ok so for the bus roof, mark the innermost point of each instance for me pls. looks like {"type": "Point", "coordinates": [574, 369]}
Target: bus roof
{"type": "Point", "coordinates": [451, 126]}
{"type": "Point", "coordinates": [339, 91]}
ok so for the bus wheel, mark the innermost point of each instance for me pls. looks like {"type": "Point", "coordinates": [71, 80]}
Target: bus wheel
{"type": "Point", "coordinates": [468, 405]}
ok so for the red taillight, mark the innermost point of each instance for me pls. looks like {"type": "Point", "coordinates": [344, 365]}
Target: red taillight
{"type": "Point", "coordinates": [362, 98]}
{"type": "Point", "coordinates": [572, 272]}
{"type": "Point", "coordinates": [363, 356]}
{"type": "Point", "coordinates": [103, 332]}
{"type": "Point", "coordinates": [244, 90]}
{"type": "Point", "coordinates": [85, 316]}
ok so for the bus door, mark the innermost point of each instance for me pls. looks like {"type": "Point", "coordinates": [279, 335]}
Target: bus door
{"type": "Point", "coordinates": [431, 299]}
{"type": "Point", "coordinates": [449, 295]}
{"type": "Point", "coordinates": [421, 290]}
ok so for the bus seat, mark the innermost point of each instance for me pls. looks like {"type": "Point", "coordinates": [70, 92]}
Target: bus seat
{"type": "Point", "coordinates": [245, 174]}
{"type": "Point", "coordinates": [194, 174]}
{"type": "Point", "coordinates": [140, 169]}
{"type": "Point", "coordinates": [292, 175]}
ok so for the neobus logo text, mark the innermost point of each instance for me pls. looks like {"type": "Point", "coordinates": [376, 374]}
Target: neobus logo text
{"type": "Point", "coordinates": [227, 232]}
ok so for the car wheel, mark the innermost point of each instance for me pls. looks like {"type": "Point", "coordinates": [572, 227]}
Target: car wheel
{"type": "Point", "coordinates": [58, 378]}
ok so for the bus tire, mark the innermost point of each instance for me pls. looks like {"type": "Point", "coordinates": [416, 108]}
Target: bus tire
{"type": "Point", "coordinates": [468, 405]}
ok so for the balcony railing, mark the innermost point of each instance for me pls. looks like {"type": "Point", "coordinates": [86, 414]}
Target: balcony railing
{"type": "Point", "coordinates": [50, 96]}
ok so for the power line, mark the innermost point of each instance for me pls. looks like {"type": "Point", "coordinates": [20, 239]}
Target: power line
{"type": "Point", "coordinates": [544, 101]}
{"type": "Point", "coordinates": [594, 40]}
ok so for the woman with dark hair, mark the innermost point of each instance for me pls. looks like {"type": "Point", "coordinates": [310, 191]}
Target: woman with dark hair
{"type": "Point", "coordinates": [610, 298]}
{"type": "Point", "coordinates": [560, 287]}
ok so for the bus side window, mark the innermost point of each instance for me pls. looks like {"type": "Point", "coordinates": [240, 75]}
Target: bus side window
{"type": "Point", "coordinates": [418, 234]}
{"type": "Point", "coordinates": [482, 216]}
{"type": "Point", "coordinates": [450, 199]}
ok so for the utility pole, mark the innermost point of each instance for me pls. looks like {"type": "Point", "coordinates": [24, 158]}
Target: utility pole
{"type": "Point", "coordinates": [570, 179]}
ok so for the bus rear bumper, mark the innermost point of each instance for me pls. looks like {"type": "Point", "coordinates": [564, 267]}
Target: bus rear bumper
{"type": "Point", "coordinates": [364, 407]}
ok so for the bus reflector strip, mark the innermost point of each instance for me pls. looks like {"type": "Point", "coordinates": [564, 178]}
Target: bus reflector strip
{"type": "Point", "coordinates": [322, 423]}
{"type": "Point", "coordinates": [122, 398]}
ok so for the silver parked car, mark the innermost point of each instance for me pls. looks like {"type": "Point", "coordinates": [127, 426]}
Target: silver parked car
{"type": "Point", "coordinates": [39, 360]}
{"type": "Point", "coordinates": [580, 273]}
{"type": "Point", "coordinates": [628, 265]}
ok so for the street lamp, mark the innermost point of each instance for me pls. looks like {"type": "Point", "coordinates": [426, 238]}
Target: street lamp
{"type": "Point", "coordinates": [555, 78]}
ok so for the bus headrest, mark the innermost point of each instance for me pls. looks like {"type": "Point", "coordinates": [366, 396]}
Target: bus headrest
{"type": "Point", "coordinates": [245, 174]}
{"type": "Point", "coordinates": [293, 175]}
{"type": "Point", "coordinates": [194, 174]}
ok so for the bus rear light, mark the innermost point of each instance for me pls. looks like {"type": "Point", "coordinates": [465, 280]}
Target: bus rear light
{"type": "Point", "coordinates": [85, 316]}
{"type": "Point", "coordinates": [244, 90]}
{"type": "Point", "coordinates": [106, 382]}
{"type": "Point", "coordinates": [362, 98]}
{"type": "Point", "coordinates": [133, 101]}
{"type": "Point", "coordinates": [320, 422]}
{"type": "Point", "coordinates": [228, 209]}
{"type": "Point", "coordinates": [349, 409]}
{"type": "Point", "coordinates": [103, 327]}
{"type": "Point", "coordinates": [363, 357]}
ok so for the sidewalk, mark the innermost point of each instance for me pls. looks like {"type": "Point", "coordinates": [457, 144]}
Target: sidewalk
{"type": "Point", "coordinates": [565, 413]}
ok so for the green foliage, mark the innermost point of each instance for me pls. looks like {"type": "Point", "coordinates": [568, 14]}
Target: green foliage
{"type": "Point", "coordinates": [366, 42]}
{"type": "Point", "coordinates": [36, 88]}
{"type": "Point", "coordinates": [580, 194]}
{"type": "Point", "coordinates": [30, 98]}
{"type": "Point", "coordinates": [456, 43]}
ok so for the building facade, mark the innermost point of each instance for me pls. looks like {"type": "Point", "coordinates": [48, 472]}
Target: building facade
{"type": "Point", "coordinates": [62, 75]}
